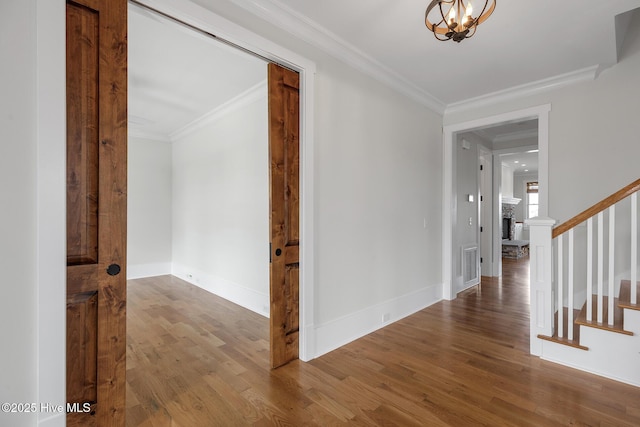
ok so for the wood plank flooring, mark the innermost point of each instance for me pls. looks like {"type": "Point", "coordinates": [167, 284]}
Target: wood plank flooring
{"type": "Point", "coordinates": [194, 359]}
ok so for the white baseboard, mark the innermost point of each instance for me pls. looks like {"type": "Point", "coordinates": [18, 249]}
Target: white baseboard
{"type": "Point", "coordinates": [250, 299]}
{"type": "Point", "coordinates": [138, 271]}
{"type": "Point", "coordinates": [339, 332]}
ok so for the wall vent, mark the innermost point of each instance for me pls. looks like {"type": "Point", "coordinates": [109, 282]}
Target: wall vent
{"type": "Point", "coordinates": [470, 265]}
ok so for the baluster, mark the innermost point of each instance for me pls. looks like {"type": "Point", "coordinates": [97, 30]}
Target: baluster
{"type": "Point", "coordinates": [612, 245]}
{"type": "Point", "coordinates": [634, 248]}
{"type": "Point", "coordinates": [600, 265]}
{"type": "Point", "coordinates": [589, 269]}
{"type": "Point", "coordinates": [559, 289]}
{"type": "Point", "coordinates": [570, 289]}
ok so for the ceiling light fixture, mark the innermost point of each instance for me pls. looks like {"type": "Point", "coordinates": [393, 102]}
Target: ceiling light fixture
{"type": "Point", "coordinates": [441, 18]}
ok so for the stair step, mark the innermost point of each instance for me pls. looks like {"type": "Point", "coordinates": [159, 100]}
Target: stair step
{"type": "Point", "coordinates": [575, 342]}
{"type": "Point", "coordinates": [625, 295]}
{"type": "Point", "coordinates": [618, 316]}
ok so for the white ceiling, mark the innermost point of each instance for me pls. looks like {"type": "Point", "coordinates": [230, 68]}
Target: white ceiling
{"type": "Point", "coordinates": [521, 163]}
{"type": "Point", "coordinates": [177, 75]}
{"type": "Point", "coordinates": [522, 42]}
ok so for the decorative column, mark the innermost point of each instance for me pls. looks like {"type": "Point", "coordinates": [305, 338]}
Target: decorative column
{"type": "Point", "coordinates": [540, 281]}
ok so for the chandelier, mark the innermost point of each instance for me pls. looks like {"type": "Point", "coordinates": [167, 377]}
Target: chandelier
{"type": "Point", "coordinates": [454, 20]}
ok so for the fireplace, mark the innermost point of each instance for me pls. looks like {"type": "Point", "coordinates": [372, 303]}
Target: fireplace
{"type": "Point", "coordinates": [506, 228]}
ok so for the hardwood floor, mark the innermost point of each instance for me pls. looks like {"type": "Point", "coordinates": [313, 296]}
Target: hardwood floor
{"type": "Point", "coordinates": [194, 359]}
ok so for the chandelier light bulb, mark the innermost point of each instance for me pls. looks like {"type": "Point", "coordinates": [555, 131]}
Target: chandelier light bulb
{"type": "Point", "coordinates": [468, 19]}
{"type": "Point", "coordinates": [441, 15]}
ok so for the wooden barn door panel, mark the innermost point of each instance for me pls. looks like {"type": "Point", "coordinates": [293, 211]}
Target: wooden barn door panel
{"type": "Point", "coordinates": [96, 210]}
{"type": "Point", "coordinates": [284, 141]}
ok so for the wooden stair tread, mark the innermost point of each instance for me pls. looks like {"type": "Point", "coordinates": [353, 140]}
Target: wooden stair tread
{"type": "Point", "coordinates": [575, 342]}
{"type": "Point", "coordinates": [625, 295]}
{"type": "Point", "coordinates": [618, 316]}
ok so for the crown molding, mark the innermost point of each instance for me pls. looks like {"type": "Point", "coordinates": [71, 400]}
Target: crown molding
{"type": "Point", "coordinates": [132, 132]}
{"type": "Point", "coordinates": [525, 90]}
{"type": "Point", "coordinates": [514, 136]}
{"type": "Point", "coordinates": [247, 97]}
{"type": "Point", "coordinates": [311, 32]}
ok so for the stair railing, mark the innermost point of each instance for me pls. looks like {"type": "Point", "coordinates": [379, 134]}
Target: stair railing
{"type": "Point", "coordinates": [547, 282]}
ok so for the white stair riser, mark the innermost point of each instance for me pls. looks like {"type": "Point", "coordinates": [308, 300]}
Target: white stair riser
{"type": "Point", "coordinates": [610, 354]}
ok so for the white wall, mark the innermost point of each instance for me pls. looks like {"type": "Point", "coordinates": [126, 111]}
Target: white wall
{"type": "Point", "coordinates": [378, 181]}
{"type": "Point", "coordinates": [466, 212]}
{"type": "Point", "coordinates": [148, 208]}
{"type": "Point", "coordinates": [593, 132]}
{"type": "Point", "coordinates": [378, 187]}
{"type": "Point", "coordinates": [18, 249]}
{"type": "Point", "coordinates": [594, 140]}
{"type": "Point", "coordinates": [220, 227]}
{"type": "Point", "coordinates": [507, 181]}
{"type": "Point", "coordinates": [378, 175]}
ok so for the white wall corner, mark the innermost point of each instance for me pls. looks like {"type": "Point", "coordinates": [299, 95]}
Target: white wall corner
{"type": "Point", "coordinates": [250, 299]}
{"type": "Point", "coordinates": [148, 270]}
{"type": "Point", "coordinates": [341, 331]}
{"type": "Point", "coordinates": [253, 94]}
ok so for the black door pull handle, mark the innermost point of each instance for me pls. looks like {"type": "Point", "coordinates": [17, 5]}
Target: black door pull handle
{"type": "Point", "coordinates": [113, 270]}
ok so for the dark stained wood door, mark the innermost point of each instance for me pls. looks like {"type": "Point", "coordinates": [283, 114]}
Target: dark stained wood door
{"type": "Point", "coordinates": [96, 210]}
{"type": "Point", "coordinates": [284, 125]}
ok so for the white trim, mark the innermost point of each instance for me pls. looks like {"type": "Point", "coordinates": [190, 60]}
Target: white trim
{"type": "Point", "coordinates": [208, 21]}
{"type": "Point", "coordinates": [525, 90]}
{"type": "Point", "coordinates": [249, 96]}
{"type": "Point", "coordinates": [313, 33]}
{"type": "Point", "coordinates": [132, 132]}
{"type": "Point", "coordinates": [137, 271]}
{"type": "Point", "coordinates": [348, 328]}
{"type": "Point", "coordinates": [514, 136]}
{"type": "Point", "coordinates": [238, 294]}
{"type": "Point", "coordinates": [51, 272]}
{"type": "Point", "coordinates": [542, 114]}
{"type": "Point", "coordinates": [510, 200]}
{"type": "Point", "coordinates": [610, 355]}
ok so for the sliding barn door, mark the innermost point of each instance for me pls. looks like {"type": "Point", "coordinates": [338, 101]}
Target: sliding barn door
{"type": "Point", "coordinates": [96, 211]}
{"type": "Point", "coordinates": [284, 141]}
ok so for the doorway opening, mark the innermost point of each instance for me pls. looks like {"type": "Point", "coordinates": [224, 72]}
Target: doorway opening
{"type": "Point", "coordinates": [198, 161]}
{"type": "Point", "coordinates": [228, 231]}
{"type": "Point", "coordinates": [453, 198]}
{"type": "Point", "coordinates": [507, 160]}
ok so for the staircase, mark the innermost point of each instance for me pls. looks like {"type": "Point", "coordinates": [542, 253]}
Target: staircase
{"type": "Point", "coordinates": [585, 311]}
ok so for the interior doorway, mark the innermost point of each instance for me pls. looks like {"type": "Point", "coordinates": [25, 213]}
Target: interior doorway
{"type": "Point", "coordinates": [51, 25]}
{"type": "Point", "coordinates": [507, 157]}
{"type": "Point", "coordinates": [185, 99]}
{"type": "Point", "coordinates": [451, 252]}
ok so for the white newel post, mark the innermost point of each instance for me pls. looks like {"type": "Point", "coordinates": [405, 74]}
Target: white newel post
{"type": "Point", "coordinates": [541, 280]}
